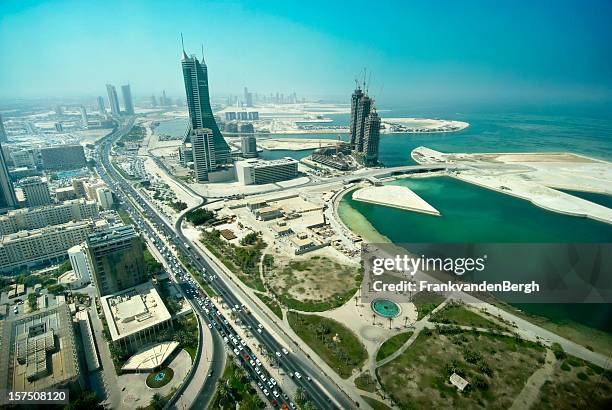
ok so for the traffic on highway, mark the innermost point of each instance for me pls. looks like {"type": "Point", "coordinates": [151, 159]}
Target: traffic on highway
{"type": "Point", "coordinates": [139, 209]}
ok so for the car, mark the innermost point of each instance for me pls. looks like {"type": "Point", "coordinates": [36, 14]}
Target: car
{"type": "Point", "coordinates": [258, 362]}
{"type": "Point", "coordinates": [308, 378]}
{"type": "Point", "coordinates": [259, 325]}
{"type": "Point", "coordinates": [210, 325]}
{"type": "Point", "coordinates": [297, 375]}
{"type": "Point", "coordinates": [245, 356]}
{"type": "Point", "coordinates": [258, 330]}
{"type": "Point", "coordinates": [285, 396]}
{"type": "Point", "coordinates": [260, 386]}
{"type": "Point", "coordinates": [275, 393]}
{"type": "Point", "coordinates": [274, 403]}
{"type": "Point", "coordinates": [272, 381]}
{"type": "Point", "coordinates": [285, 351]}
{"type": "Point", "coordinates": [278, 354]}
{"type": "Point", "coordinates": [284, 406]}
{"type": "Point", "coordinates": [252, 363]}
{"type": "Point", "coordinates": [265, 392]}
{"type": "Point", "coordinates": [292, 405]}
{"type": "Point", "coordinates": [257, 370]}
{"type": "Point", "coordinates": [263, 378]}
{"type": "Point", "coordinates": [226, 340]}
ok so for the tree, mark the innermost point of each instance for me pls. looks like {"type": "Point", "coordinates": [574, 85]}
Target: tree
{"type": "Point", "coordinates": [157, 402]}
{"type": "Point", "coordinates": [86, 401]}
{"type": "Point", "coordinates": [251, 402]}
{"type": "Point", "coordinates": [300, 395]}
{"type": "Point", "coordinates": [223, 391]}
{"type": "Point", "coordinates": [249, 239]}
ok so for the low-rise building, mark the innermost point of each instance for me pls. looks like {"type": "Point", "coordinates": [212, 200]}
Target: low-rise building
{"type": "Point", "coordinates": [135, 316]}
{"type": "Point", "coordinates": [267, 213]}
{"type": "Point", "coordinates": [258, 171]}
{"type": "Point", "coordinates": [39, 352]}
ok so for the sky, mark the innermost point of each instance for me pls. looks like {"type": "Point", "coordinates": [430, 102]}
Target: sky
{"type": "Point", "coordinates": [442, 51]}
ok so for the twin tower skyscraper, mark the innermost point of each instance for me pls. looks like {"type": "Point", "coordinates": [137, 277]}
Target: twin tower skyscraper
{"type": "Point", "coordinates": [364, 127]}
{"type": "Point", "coordinates": [209, 150]}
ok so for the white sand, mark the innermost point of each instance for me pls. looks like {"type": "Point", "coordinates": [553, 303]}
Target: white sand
{"type": "Point", "coordinates": [395, 197]}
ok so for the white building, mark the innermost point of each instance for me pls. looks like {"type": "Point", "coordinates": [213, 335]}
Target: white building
{"type": "Point", "coordinates": [30, 248]}
{"type": "Point", "coordinates": [80, 263]}
{"type": "Point", "coordinates": [26, 219]}
{"type": "Point", "coordinates": [258, 171]}
{"type": "Point", "coordinates": [104, 197]}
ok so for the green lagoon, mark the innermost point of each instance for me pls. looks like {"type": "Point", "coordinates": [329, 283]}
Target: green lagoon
{"type": "Point", "coordinates": [473, 214]}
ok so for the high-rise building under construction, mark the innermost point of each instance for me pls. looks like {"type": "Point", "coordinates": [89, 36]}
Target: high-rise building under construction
{"type": "Point", "coordinates": [364, 128]}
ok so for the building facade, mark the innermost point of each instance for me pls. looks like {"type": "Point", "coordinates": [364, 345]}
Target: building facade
{"type": "Point", "coordinates": [35, 247]}
{"type": "Point", "coordinates": [195, 76]}
{"type": "Point", "coordinates": [80, 263]}
{"type": "Point", "coordinates": [127, 99]}
{"type": "Point", "coordinates": [8, 198]}
{"type": "Point", "coordinates": [36, 191]}
{"type": "Point", "coordinates": [248, 146]}
{"type": "Point", "coordinates": [63, 157]}
{"type": "Point", "coordinates": [257, 172]}
{"type": "Point", "coordinates": [101, 107]}
{"type": "Point", "coordinates": [116, 258]}
{"type": "Point", "coordinates": [113, 100]}
{"type": "Point", "coordinates": [364, 128]}
{"type": "Point", "coordinates": [27, 219]}
{"type": "Point", "coordinates": [3, 136]}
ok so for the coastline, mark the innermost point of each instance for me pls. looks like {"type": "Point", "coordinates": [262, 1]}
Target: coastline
{"type": "Point", "coordinates": [594, 338]}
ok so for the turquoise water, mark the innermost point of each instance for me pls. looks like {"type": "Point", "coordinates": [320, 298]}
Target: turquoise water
{"type": "Point", "coordinates": [385, 308]}
{"type": "Point", "coordinates": [474, 214]}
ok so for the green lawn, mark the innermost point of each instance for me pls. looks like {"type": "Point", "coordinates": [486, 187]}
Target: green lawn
{"type": "Point", "coordinates": [366, 382]}
{"type": "Point", "coordinates": [497, 368]}
{"type": "Point", "coordinates": [391, 345]}
{"type": "Point", "coordinates": [376, 405]}
{"type": "Point", "coordinates": [332, 341]}
{"type": "Point", "coordinates": [425, 302]}
{"type": "Point", "coordinates": [460, 315]}
{"type": "Point", "coordinates": [274, 307]}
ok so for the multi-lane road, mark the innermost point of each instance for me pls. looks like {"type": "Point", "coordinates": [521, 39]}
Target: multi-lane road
{"type": "Point", "coordinates": [321, 391]}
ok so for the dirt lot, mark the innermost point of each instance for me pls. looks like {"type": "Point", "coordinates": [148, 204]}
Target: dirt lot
{"type": "Point", "coordinates": [310, 279]}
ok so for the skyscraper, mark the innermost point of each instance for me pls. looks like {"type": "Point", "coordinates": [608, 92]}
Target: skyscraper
{"type": "Point", "coordinates": [3, 137]}
{"type": "Point", "coordinates": [371, 139]}
{"type": "Point", "coordinates": [153, 101]}
{"type": "Point", "coordinates": [364, 128]}
{"type": "Point", "coordinates": [127, 99]}
{"type": "Point", "coordinates": [8, 199]}
{"type": "Point", "coordinates": [101, 108]}
{"type": "Point", "coordinates": [113, 100]}
{"type": "Point", "coordinates": [248, 146]}
{"type": "Point", "coordinates": [203, 150]}
{"type": "Point", "coordinates": [248, 97]}
{"type": "Point", "coordinates": [357, 94]}
{"type": "Point", "coordinates": [195, 75]}
{"type": "Point", "coordinates": [116, 259]}
{"type": "Point", "coordinates": [83, 115]}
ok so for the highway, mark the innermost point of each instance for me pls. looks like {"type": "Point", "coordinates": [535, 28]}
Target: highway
{"type": "Point", "coordinates": [290, 362]}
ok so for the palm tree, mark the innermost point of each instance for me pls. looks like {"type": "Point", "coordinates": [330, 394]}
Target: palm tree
{"type": "Point", "coordinates": [224, 392]}
{"type": "Point", "coordinates": [157, 401]}
{"type": "Point", "coordinates": [300, 395]}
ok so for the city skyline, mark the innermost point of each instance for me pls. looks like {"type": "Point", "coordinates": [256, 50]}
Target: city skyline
{"type": "Point", "coordinates": [441, 53]}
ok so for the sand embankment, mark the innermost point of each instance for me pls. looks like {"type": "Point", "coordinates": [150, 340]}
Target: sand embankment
{"type": "Point", "coordinates": [395, 197]}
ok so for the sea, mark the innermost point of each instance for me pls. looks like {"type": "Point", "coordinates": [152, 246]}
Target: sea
{"type": "Point", "coordinates": [474, 214]}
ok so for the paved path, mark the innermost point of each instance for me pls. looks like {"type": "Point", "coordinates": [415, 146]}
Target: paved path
{"type": "Point", "coordinates": [531, 390]}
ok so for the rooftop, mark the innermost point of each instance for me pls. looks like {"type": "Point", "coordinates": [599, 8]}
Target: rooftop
{"type": "Point", "coordinates": [263, 163]}
{"type": "Point", "coordinates": [133, 310]}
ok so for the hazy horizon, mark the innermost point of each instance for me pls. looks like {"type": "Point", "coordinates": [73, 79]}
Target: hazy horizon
{"type": "Point", "coordinates": [445, 52]}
